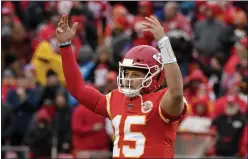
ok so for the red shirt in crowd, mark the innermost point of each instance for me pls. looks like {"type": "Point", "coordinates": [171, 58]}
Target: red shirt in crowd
{"type": "Point", "coordinates": [178, 22]}
{"type": "Point", "coordinates": [84, 137]}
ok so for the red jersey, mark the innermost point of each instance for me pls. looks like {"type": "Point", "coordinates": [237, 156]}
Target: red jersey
{"type": "Point", "coordinates": [141, 131]}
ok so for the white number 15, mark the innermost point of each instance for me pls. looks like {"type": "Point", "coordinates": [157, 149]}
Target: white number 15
{"type": "Point", "coordinates": [137, 137]}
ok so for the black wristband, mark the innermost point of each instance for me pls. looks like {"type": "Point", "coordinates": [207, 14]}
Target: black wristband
{"type": "Point", "coordinates": [62, 45]}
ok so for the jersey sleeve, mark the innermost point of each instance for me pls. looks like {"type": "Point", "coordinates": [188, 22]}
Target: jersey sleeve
{"type": "Point", "coordinates": [170, 119]}
{"type": "Point", "coordinates": [85, 95]}
{"type": "Point", "coordinates": [108, 98]}
{"type": "Point", "coordinates": [103, 108]}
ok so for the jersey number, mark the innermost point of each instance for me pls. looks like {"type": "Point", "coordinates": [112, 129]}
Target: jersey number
{"type": "Point", "coordinates": [137, 137]}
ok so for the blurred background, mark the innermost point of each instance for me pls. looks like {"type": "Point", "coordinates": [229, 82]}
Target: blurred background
{"type": "Point", "coordinates": [40, 119]}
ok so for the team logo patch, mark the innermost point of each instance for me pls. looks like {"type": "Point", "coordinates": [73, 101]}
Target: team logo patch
{"type": "Point", "coordinates": [147, 107]}
{"type": "Point", "coordinates": [158, 57]}
{"type": "Point", "coordinates": [236, 124]}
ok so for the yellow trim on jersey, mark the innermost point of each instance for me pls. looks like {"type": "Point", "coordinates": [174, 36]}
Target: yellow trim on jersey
{"type": "Point", "coordinates": [189, 106]}
{"type": "Point", "coordinates": [108, 96]}
{"type": "Point", "coordinates": [113, 137]}
{"type": "Point", "coordinates": [185, 101]}
{"type": "Point", "coordinates": [161, 114]}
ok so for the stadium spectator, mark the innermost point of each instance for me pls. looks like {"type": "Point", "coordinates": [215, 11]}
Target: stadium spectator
{"type": "Point", "coordinates": [88, 129]}
{"type": "Point", "coordinates": [79, 40]}
{"type": "Point", "coordinates": [43, 61]}
{"type": "Point", "coordinates": [120, 19]}
{"type": "Point", "coordinates": [13, 32]}
{"type": "Point", "coordinates": [182, 46]}
{"type": "Point", "coordinates": [101, 68]}
{"type": "Point", "coordinates": [111, 82]}
{"type": "Point", "coordinates": [174, 20]}
{"type": "Point", "coordinates": [8, 83]}
{"type": "Point", "coordinates": [235, 69]}
{"type": "Point", "coordinates": [86, 32]}
{"type": "Point", "coordinates": [47, 30]}
{"type": "Point", "coordinates": [39, 137]}
{"type": "Point", "coordinates": [231, 127]}
{"type": "Point", "coordinates": [48, 93]}
{"type": "Point", "coordinates": [118, 32]}
{"type": "Point", "coordinates": [61, 123]}
{"type": "Point", "coordinates": [209, 34]}
{"type": "Point", "coordinates": [51, 128]}
{"type": "Point", "coordinates": [140, 37]}
{"type": "Point", "coordinates": [8, 118]}
{"type": "Point", "coordinates": [213, 72]}
{"type": "Point", "coordinates": [202, 107]}
{"type": "Point", "coordinates": [199, 11]}
{"type": "Point", "coordinates": [192, 83]}
{"type": "Point", "coordinates": [13, 63]}
{"type": "Point", "coordinates": [219, 105]}
{"type": "Point", "coordinates": [23, 102]}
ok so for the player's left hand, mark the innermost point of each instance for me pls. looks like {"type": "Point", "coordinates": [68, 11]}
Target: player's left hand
{"type": "Point", "coordinates": [153, 25]}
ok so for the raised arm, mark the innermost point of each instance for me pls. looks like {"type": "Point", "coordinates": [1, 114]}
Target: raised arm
{"type": "Point", "coordinates": [172, 102]}
{"type": "Point", "coordinates": [85, 95]}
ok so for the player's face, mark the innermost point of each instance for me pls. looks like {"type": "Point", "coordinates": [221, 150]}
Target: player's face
{"type": "Point", "coordinates": [136, 77]}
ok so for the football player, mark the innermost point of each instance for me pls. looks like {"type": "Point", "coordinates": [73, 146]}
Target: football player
{"type": "Point", "coordinates": [145, 119]}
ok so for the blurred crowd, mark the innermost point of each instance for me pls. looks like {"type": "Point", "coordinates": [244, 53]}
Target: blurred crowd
{"type": "Point", "coordinates": [209, 39]}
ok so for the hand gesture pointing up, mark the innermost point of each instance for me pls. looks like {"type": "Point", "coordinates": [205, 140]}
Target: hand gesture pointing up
{"type": "Point", "coordinates": [153, 25]}
{"type": "Point", "coordinates": [63, 32]}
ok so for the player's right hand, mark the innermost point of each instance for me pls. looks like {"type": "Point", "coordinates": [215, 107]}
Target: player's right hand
{"type": "Point", "coordinates": [63, 32]}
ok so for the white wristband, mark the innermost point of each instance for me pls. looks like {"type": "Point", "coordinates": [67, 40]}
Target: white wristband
{"type": "Point", "coordinates": [65, 44]}
{"type": "Point", "coordinates": [166, 51]}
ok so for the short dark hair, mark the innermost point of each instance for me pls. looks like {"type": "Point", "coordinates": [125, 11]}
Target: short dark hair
{"type": "Point", "coordinates": [143, 70]}
{"type": "Point", "coordinates": [50, 73]}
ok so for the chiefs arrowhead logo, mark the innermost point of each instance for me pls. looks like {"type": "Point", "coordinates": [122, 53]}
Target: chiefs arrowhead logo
{"type": "Point", "coordinates": [146, 107]}
{"type": "Point", "coordinates": [158, 57]}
